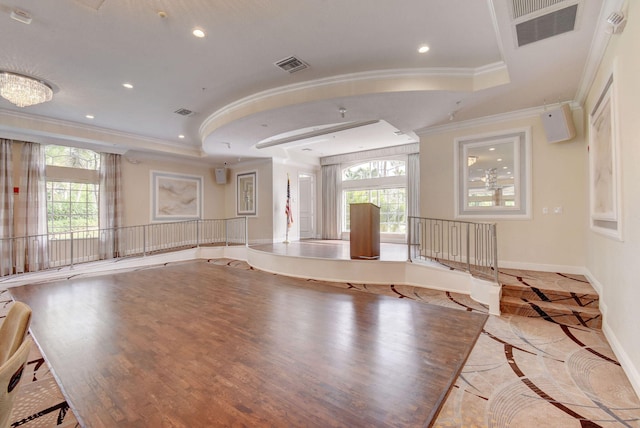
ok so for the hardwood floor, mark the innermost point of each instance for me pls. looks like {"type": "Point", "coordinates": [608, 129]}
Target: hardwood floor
{"type": "Point", "coordinates": [195, 344]}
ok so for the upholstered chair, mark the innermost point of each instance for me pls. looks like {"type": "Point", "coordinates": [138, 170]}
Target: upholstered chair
{"type": "Point", "coordinates": [10, 375]}
{"type": "Point", "coordinates": [13, 330]}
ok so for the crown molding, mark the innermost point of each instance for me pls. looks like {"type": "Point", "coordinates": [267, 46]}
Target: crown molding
{"type": "Point", "coordinates": [42, 129]}
{"type": "Point", "coordinates": [358, 84]}
{"type": "Point", "coordinates": [489, 120]}
{"type": "Point", "coordinates": [597, 50]}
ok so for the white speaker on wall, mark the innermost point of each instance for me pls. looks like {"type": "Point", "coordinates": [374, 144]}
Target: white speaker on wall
{"type": "Point", "coordinates": [221, 175]}
{"type": "Point", "coordinates": [558, 124]}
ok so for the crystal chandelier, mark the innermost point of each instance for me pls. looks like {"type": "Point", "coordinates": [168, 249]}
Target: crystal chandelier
{"type": "Point", "coordinates": [23, 91]}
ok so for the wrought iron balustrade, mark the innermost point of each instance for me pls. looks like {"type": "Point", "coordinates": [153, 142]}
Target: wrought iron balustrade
{"type": "Point", "coordinates": [468, 246]}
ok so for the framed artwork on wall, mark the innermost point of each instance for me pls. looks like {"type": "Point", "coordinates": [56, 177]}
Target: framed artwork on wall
{"type": "Point", "coordinates": [246, 201]}
{"type": "Point", "coordinates": [604, 164]}
{"type": "Point", "coordinates": [175, 197]}
{"type": "Point", "coordinates": [492, 175]}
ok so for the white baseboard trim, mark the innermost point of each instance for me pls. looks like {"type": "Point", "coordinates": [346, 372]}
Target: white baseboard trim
{"type": "Point", "coordinates": [573, 270]}
{"type": "Point", "coordinates": [630, 369]}
{"type": "Point", "coordinates": [627, 365]}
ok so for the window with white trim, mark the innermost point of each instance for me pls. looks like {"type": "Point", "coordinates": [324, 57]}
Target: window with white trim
{"type": "Point", "coordinates": [72, 184]}
{"type": "Point", "coordinates": [380, 182]}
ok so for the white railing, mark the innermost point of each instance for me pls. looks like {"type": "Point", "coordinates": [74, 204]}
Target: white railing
{"type": "Point", "coordinates": [55, 250]}
{"type": "Point", "coordinates": [468, 246]}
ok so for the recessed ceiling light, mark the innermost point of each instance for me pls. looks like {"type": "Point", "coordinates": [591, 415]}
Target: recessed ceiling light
{"type": "Point", "coordinates": [492, 149]}
{"type": "Point", "coordinates": [128, 85]}
{"type": "Point", "coordinates": [423, 49]}
{"type": "Point", "coordinates": [181, 136]}
{"type": "Point", "coordinates": [505, 167]}
{"type": "Point", "coordinates": [90, 116]}
{"type": "Point", "coordinates": [499, 159]}
{"type": "Point", "coordinates": [198, 32]}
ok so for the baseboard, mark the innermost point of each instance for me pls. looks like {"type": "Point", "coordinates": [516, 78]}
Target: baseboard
{"type": "Point", "coordinates": [573, 270]}
{"type": "Point", "coordinates": [598, 287]}
{"type": "Point", "coordinates": [627, 365]}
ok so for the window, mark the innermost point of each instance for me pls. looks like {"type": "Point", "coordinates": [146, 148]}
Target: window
{"type": "Point", "coordinates": [380, 182]}
{"type": "Point", "coordinates": [72, 190]}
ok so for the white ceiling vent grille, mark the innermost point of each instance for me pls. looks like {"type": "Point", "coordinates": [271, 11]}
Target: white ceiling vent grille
{"type": "Point", "coordinates": [545, 26]}
{"type": "Point", "coordinates": [184, 112]}
{"type": "Point", "coordinates": [525, 7]}
{"type": "Point", "coordinates": [291, 64]}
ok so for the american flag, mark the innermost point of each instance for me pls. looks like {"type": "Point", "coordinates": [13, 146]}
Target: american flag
{"type": "Point", "coordinates": [287, 209]}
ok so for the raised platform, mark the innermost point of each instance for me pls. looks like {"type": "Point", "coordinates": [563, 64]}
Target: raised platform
{"type": "Point", "coordinates": [330, 261]}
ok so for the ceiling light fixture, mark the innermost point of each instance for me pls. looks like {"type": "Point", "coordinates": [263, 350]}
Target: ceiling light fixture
{"type": "Point", "coordinates": [128, 85]}
{"type": "Point", "coordinates": [90, 116]}
{"type": "Point", "coordinates": [181, 136]}
{"type": "Point", "coordinates": [21, 16]}
{"type": "Point", "coordinates": [423, 49]}
{"type": "Point", "coordinates": [198, 32]}
{"type": "Point", "coordinates": [23, 91]}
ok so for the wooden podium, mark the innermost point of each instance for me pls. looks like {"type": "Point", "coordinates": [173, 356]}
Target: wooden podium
{"type": "Point", "coordinates": [365, 231]}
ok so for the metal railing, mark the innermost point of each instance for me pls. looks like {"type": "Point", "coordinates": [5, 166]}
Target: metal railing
{"type": "Point", "coordinates": [467, 246]}
{"type": "Point", "coordinates": [35, 253]}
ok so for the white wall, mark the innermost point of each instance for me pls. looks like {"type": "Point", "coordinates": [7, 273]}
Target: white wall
{"type": "Point", "coordinates": [260, 225]}
{"type": "Point", "coordinates": [614, 265]}
{"type": "Point", "coordinates": [544, 242]}
{"type": "Point", "coordinates": [136, 188]}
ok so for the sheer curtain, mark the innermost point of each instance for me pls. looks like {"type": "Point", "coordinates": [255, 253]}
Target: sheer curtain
{"type": "Point", "coordinates": [110, 205]}
{"type": "Point", "coordinates": [6, 207]}
{"type": "Point", "coordinates": [413, 191]}
{"type": "Point", "coordinates": [331, 194]}
{"type": "Point", "coordinates": [34, 256]}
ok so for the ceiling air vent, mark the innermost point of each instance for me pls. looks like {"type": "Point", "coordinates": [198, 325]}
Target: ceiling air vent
{"type": "Point", "coordinates": [184, 112]}
{"type": "Point", "coordinates": [292, 64]}
{"type": "Point", "coordinates": [525, 7]}
{"type": "Point", "coordinates": [545, 26]}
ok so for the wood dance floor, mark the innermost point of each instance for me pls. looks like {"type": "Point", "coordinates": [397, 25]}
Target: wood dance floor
{"type": "Point", "coordinates": [197, 344]}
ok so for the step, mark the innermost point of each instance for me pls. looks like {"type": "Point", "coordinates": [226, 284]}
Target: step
{"type": "Point", "coordinates": [553, 312]}
{"type": "Point", "coordinates": [582, 300]}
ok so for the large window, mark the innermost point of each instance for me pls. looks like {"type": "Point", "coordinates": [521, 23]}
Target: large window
{"type": "Point", "coordinates": [380, 182]}
{"type": "Point", "coordinates": [72, 190]}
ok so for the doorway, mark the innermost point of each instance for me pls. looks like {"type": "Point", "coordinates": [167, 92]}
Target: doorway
{"type": "Point", "coordinates": [306, 204]}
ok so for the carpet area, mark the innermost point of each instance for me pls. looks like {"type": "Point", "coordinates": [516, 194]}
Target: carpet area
{"type": "Point", "coordinates": [522, 372]}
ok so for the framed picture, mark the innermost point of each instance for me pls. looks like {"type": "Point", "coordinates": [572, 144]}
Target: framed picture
{"type": "Point", "coordinates": [492, 175]}
{"type": "Point", "coordinates": [175, 197]}
{"type": "Point", "coordinates": [246, 194]}
{"type": "Point", "coordinates": [604, 164]}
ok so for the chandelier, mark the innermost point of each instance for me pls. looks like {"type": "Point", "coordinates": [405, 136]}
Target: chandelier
{"type": "Point", "coordinates": [23, 91]}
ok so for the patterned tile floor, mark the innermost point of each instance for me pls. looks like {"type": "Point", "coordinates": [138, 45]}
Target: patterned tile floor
{"type": "Point", "coordinates": [522, 372]}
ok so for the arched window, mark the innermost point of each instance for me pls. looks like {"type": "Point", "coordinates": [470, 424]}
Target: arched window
{"type": "Point", "coordinates": [380, 182]}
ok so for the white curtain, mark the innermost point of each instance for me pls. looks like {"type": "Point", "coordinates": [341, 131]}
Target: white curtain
{"type": "Point", "coordinates": [413, 192]}
{"type": "Point", "coordinates": [331, 197]}
{"type": "Point", "coordinates": [6, 207]}
{"type": "Point", "coordinates": [110, 205]}
{"type": "Point", "coordinates": [33, 255]}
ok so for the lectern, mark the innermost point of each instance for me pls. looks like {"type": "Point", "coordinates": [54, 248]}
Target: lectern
{"type": "Point", "coordinates": [365, 231]}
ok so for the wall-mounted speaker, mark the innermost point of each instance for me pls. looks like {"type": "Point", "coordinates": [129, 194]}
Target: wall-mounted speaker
{"type": "Point", "coordinates": [221, 175]}
{"type": "Point", "coordinates": [558, 124]}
